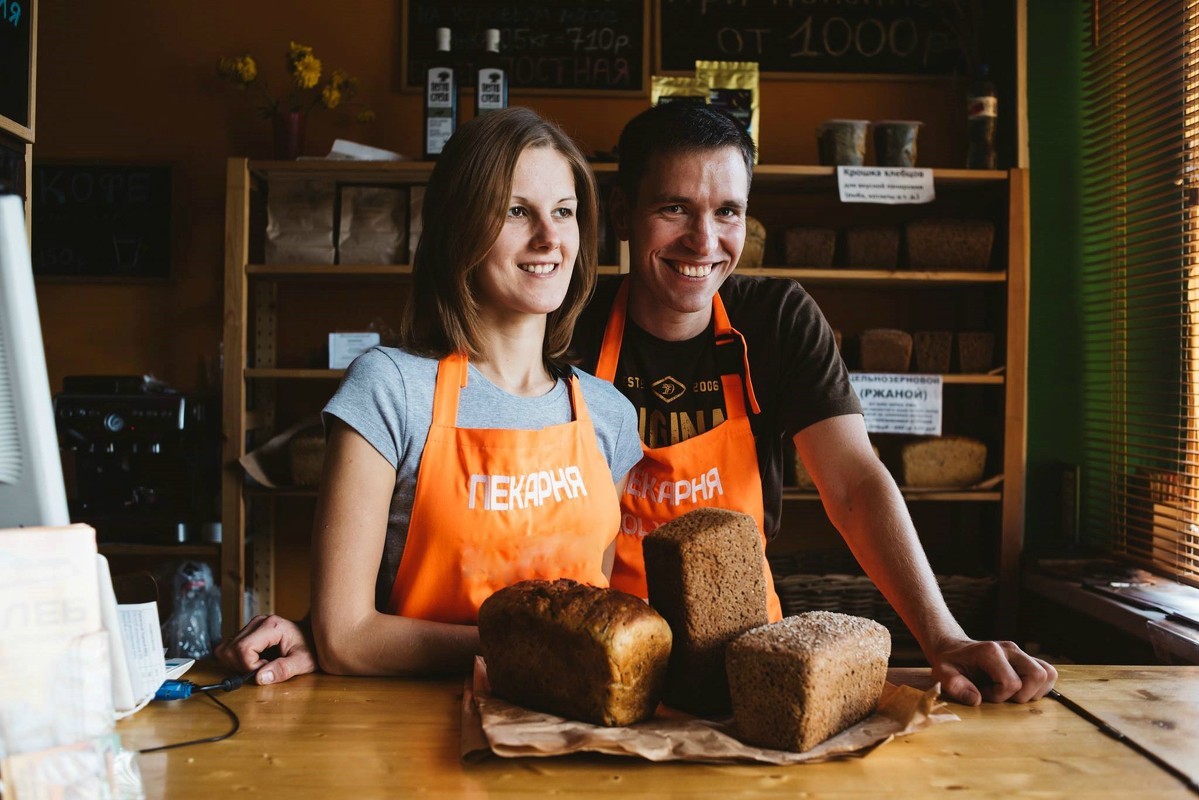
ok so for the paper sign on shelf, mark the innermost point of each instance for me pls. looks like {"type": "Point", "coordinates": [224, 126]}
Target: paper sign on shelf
{"type": "Point", "coordinates": [886, 185]}
{"type": "Point", "coordinates": [908, 404]}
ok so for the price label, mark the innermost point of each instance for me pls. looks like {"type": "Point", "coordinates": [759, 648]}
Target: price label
{"type": "Point", "coordinates": [908, 404]}
{"type": "Point", "coordinates": [886, 185]}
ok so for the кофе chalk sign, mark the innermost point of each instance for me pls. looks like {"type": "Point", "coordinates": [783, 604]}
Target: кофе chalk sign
{"type": "Point", "coordinates": [101, 221]}
{"type": "Point", "coordinates": [569, 46]}
{"type": "Point", "coordinates": [825, 36]}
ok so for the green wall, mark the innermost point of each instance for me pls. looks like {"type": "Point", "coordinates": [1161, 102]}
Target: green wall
{"type": "Point", "coordinates": [1055, 31]}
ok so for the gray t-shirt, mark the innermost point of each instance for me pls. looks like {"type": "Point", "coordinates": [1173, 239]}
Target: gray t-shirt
{"type": "Point", "coordinates": [387, 397]}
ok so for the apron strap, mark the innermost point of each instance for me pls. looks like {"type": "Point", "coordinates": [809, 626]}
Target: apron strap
{"type": "Point", "coordinates": [734, 392]}
{"type": "Point", "coordinates": [451, 380]}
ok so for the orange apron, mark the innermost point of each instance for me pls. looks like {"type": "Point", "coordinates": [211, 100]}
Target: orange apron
{"type": "Point", "coordinates": [494, 507]}
{"type": "Point", "coordinates": [716, 469]}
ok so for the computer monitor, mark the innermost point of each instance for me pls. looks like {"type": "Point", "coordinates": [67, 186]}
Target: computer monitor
{"type": "Point", "coordinates": [31, 484]}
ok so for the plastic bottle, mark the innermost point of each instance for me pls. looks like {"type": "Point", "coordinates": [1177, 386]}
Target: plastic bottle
{"type": "Point", "coordinates": [491, 78]}
{"type": "Point", "coordinates": [441, 98]}
{"type": "Point", "coordinates": [982, 110]}
{"type": "Point", "coordinates": [188, 632]}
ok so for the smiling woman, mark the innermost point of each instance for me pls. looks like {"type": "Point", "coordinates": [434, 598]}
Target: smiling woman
{"type": "Point", "coordinates": [422, 514]}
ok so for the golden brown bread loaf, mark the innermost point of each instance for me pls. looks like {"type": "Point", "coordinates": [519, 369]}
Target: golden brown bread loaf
{"type": "Point", "coordinates": [597, 655]}
{"type": "Point", "coordinates": [755, 244]}
{"type": "Point", "coordinates": [799, 681]}
{"type": "Point", "coordinates": [705, 574]}
{"type": "Point", "coordinates": [951, 461]}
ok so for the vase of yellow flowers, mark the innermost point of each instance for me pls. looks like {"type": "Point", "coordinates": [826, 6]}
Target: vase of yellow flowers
{"type": "Point", "coordinates": [289, 114]}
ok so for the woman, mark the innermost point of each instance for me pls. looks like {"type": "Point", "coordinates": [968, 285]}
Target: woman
{"type": "Point", "coordinates": [473, 456]}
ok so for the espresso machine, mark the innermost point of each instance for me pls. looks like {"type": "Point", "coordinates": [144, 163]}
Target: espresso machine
{"type": "Point", "coordinates": [141, 461]}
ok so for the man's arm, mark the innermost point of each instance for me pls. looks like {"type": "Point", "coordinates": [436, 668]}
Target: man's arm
{"type": "Point", "coordinates": [863, 502]}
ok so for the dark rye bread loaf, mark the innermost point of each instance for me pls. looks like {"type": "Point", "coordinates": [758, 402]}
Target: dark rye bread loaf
{"type": "Point", "coordinates": [704, 572]}
{"type": "Point", "coordinates": [597, 655]}
{"type": "Point", "coordinates": [804, 679]}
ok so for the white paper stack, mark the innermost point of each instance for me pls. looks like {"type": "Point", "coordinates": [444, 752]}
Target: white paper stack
{"type": "Point", "coordinates": [56, 691]}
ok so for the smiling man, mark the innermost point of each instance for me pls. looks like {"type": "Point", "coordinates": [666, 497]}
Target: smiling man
{"type": "Point", "coordinates": [724, 368]}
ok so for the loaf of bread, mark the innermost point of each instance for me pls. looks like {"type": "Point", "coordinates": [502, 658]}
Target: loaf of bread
{"type": "Point", "coordinates": [809, 247]}
{"type": "Point", "coordinates": [932, 350]}
{"type": "Point", "coordinates": [597, 655]}
{"type": "Point", "coordinates": [885, 350]}
{"type": "Point", "coordinates": [705, 575]}
{"type": "Point", "coordinates": [949, 243]}
{"type": "Point", "coordinates": [804, 679]}
{"type": "Point", "coordinates": [949, 461]}
{"type": "Point", "coordinates": [306, 452]}
{"type": "Point", "coordinates": [755, 244]}
{"type": "Point", "coordinates": [976, 351]}
{"type": "Point", "coordinates": [872, 247]}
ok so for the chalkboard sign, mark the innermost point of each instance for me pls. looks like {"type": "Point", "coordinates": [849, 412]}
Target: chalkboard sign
{"type": "Point", "coordinates": [824, 36]}
{"type": "Point", "coordinates": [101, 221]}
{"type": "Point", "coordinates": [16, 48]}
{"type": "Point", "coordinates": [564, 46]}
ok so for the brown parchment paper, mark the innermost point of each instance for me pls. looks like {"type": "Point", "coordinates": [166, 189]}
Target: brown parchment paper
{"type": "Point", "coordinates": [493, 725]}
{"type": "Point", "coordinates": [269, 464]}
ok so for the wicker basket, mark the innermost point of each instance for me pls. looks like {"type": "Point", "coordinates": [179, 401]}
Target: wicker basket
{"type": "Point", "coordinates": [968, 598]}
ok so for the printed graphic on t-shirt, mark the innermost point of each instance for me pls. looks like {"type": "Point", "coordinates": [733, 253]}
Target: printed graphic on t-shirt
{"type": "Point", "coordinates": [675, 388]}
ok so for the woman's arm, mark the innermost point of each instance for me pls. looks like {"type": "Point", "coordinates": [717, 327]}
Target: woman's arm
{"type": "Point", "coordinates": [351, 636]}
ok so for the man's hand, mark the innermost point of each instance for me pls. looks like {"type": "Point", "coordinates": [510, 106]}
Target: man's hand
{"type": "Point", "coordinates": [247, 650]}
{"type": "Point", "coordinates": [971, 671]}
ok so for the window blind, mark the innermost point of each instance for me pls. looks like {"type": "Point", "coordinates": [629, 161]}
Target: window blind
{"type": "Point", "coordinates": [1140, 263]}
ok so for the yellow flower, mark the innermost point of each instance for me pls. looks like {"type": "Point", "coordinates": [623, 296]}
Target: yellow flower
{"type": "Point", "coordinates": [297, 52]}
{"type": "Point", "coordinates": [307, 72]}
{"type": "Point", "coordinates": [306, 91]}
{"type": "Point", "coordinates": [240, 70]}
{"type": "Point", "coordinates": [247, 70]}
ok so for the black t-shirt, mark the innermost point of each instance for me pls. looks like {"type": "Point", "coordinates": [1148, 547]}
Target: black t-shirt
{"type": "Point", "coordinates": [798, 375]}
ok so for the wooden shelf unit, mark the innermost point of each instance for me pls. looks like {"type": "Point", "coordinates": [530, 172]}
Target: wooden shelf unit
{"type": "Point", "coordinates": [251, 361]}
{"type": "Point", "coordinates": [857, 299]}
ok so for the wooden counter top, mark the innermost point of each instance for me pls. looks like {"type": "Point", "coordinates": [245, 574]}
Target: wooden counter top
{"type": "Point", "coordinates": [322, 735]}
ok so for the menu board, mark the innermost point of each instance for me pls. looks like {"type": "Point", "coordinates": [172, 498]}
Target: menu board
{"type": "Point", "coordinates": [835, 36]}
{"type": "Point", "coordinates": [566, 46]}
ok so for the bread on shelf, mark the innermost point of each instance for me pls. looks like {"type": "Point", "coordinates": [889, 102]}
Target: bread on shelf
{"type": "Point", "coordinates": [705, 574]}
{"type": "Point", "coordinates": [872, 247]}
{"type": "Point", "coordinates": [949, 244]}
{"type": "Point", "coordinates": [943, 461]}
{"type": "Point", "coordinates": [933, 351]}
{"type": "Point", "coordinates": [799, 681]}
{"type": "Point", "coordinates": [306, 453]}
{"type": "Point", "coordinates": [578, 651]}
{"type": "Point", "coordinates": [755, 244]}
{"type": "Point", "coordinates": [809, 247]}
{"type": "Point", "coordinates": [885, 350]}
{"type": "Point", "coordinates": [976, 351]}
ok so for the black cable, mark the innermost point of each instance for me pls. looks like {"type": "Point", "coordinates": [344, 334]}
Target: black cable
{"type": "Point", "coordinates": [184, 690]}
{"type": "Point", "coordinates": [225, 735]}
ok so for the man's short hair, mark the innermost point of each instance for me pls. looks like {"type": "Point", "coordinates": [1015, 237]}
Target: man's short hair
{"type": "Point", "coordinates": [678, 127]}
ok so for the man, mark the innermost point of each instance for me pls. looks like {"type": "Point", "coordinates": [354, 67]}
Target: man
{"type": "Point", "coordinates": [721, 368]}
